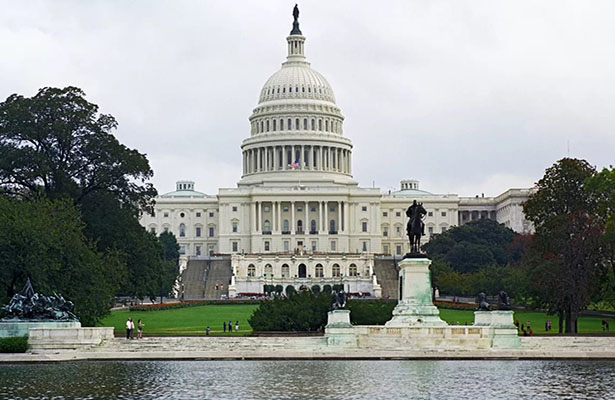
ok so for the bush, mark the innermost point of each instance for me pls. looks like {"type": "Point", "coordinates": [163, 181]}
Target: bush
{"type": "Point", "coordinates": [13, 345]}
{"type": "Point", "coordinates": [327, 289]}
{"type": "Point", "coordinates": [316, 290]}
{"type": "Point", "coordinates": [290, 291]}
{"type": "Point", "coordinates": [299, 313]}
{"type": "Point", "coordinates": [190, 303]}
{"type": "Point", "coordinates": [371, 312]}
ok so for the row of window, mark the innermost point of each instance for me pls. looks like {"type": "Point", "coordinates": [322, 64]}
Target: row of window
{"type": "Point", "coordinates": [302, 271]}
{"type": "Point", "coordinates": [283, 90]}
{"type": "Point", "coordinates": [398, 230]}
{"type": "Point", "coordinates": [398, 213]}
{"type": "Point", "coordinates": [197, 214]}
{"type": "Point", "coordinates": [273, 125]}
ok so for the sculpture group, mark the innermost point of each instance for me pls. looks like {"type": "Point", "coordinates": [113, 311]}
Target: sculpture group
{"type": "Point", "coordinates": [30, 306]}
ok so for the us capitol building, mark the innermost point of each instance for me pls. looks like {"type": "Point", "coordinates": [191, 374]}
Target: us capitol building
{"type": "Point", "coordinates": [297, 216]}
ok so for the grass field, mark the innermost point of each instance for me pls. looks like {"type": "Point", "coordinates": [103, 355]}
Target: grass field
{"type": "Point", "coordinates": [194, 320]}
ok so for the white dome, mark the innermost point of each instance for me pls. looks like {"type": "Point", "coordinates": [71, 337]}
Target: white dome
{"type": "Point", "coordinates": [297, 81]}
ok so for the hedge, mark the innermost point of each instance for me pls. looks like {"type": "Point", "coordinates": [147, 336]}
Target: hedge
{"type": "Point", "coordinates": [13, 345]}
{"type": "Point", "coordinates": [190, 303]}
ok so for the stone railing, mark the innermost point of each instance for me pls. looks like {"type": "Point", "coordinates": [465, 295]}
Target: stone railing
{"type": "Point", "coordinates": [45, 339]}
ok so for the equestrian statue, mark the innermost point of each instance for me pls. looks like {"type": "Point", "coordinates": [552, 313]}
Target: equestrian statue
{"type": "Point", "coordinates": [416, 227]}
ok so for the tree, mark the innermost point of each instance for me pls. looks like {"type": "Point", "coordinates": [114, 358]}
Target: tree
{"type": "Point", "coordinates": [170, 246]}
{"type": "Point", "coordinates": [567, 238]}
{"type": "Point", "coordinates": [56, 144]}
{"type": "Point", "coordinates": [44, 240]}
{"type": "Point", "coordinates": [300, 312]}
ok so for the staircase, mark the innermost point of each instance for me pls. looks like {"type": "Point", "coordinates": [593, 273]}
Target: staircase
{"type": "Point", "coordinates": [203, 275]}
{"type": "Point", "coordinates": [218, 275]}
{"type": "Point", "coordinates": [386, 272]}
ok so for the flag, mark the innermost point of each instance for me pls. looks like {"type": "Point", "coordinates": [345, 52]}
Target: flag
{"type": "Point", "coordinates": [295, 164]}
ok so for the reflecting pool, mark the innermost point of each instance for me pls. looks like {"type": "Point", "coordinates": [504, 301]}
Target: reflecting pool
{"type": "Point", "coordinates": [309, 380]}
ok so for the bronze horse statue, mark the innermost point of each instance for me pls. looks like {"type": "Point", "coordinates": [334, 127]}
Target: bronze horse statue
{"type": "Point", "coordinates": [416, 227]}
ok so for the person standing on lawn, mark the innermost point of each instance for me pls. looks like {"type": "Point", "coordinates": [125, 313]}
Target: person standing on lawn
{"type": "Point", "coordinates": [224, 326]}
{"type": "Point", "coordinates": [230, 326]}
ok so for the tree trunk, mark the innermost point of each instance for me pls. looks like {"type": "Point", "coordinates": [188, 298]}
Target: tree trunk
{"type": "Point", "coordinates": [560, 316]}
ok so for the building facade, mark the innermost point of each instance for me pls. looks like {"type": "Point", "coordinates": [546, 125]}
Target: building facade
{"type": "Point", "coordinates": [297, 217]}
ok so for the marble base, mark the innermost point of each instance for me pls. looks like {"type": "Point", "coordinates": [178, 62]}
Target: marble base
{"type": "Point", "coordinates": [22, 328]}
{"type": "Point", "coordinates": [415, 307]}
{"type": "Point", "coordinates": [46, 339]}
{"type": "Point", "coordinates": [339, 332]}
{"type": "Point", "coordinates": [503, 330]}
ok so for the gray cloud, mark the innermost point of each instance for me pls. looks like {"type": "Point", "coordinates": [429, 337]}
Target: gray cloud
{"type": "Point", "coordinates": [490, 92]}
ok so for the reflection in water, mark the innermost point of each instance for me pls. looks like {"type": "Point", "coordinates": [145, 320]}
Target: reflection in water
{"type": "Point", "coordinates": [310, 379]}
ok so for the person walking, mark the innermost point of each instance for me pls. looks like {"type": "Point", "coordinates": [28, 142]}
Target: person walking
{"type": "Point", "coordinates": [224, 326]}
{"type": "Point", "coordinates": [230, 326]}
{"type": "Point", "coordinates": [132, 328]}
{"type": "Point", "coordinates": [207, 331]}
{"type": "Point", "coordinates": [140, 326]}
{"type": "Point", "coordinates": [128, 328]}
{"type": "Point", "coordinates": [236, 326]}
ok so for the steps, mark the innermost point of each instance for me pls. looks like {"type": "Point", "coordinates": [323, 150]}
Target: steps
{"type": "Point", "coordinates": [202, 275]}
{"type": "Point", "coordinates": [219, 273]}
{"type": "Point", "coordinates": [387, 276]}
{"type": "Point", "coordinates": [193, 279]}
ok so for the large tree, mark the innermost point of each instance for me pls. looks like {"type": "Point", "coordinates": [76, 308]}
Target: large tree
{"type": "Point", "coordinates": [44, 240]}
{"type": "Point", "coordinates": [57, 144]}
{"type": "Point", "coordinates": [568, 235]}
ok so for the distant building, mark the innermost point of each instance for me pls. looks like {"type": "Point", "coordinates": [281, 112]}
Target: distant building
{"type": "Point", "coordinates": [297, 217]}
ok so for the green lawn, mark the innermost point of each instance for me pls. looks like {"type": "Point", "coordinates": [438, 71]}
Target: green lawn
{"type": "Point", "coordinates": [185, 321]}
{"type": "Point", "coordinates": [194, 320]}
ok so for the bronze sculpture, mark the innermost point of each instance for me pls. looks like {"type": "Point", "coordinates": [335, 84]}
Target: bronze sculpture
{"type": "Point", "coordinates": [296, 30]}
{"type": "Point", "coordinates": [482, 302]}
{"type": "Point", "coordinates": [28, 306]}
{"type": "Point", "coordinates": [415, 227]}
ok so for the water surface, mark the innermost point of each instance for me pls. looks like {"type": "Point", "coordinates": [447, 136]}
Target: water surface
{"type": "Point", "coordinates": [387, 380]}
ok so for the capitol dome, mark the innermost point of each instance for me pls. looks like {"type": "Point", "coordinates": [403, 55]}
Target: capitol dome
{"type": "Point", "coordinates": [296, 128]}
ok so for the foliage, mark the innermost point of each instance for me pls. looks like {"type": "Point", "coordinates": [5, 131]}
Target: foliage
{"type": "Point", "coordinates": [44, 240]}
{"type": "Point", "coordinates": [279, 289]}
{"type": "Point", "coordinates": [13, 345]}
{"type": "Point", "coordinates": [315, 289]}
{"type": "Point", "coordinates": [564, 261]}
{"type": "Point", "coordinates": [170, 246]}
{"type": "Point", "coordinates": [474, 246]}
{"type": "Point", "coordinates": [290, 291]}
{"type": "Point", "coordinates": [189, 303]}
{"type": "Point", "coordinates": [56, 144]}
{"type": "Point", "coordinates": [300, 312]}
{"type": "Point", "coordinates": [327, 289]}
{"type": "Point", "coordinates": [371, 312]}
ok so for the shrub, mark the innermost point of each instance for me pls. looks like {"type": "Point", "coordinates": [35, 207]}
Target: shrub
{"type": "Point", "coordinates": [13, 345]}
{"type": "Point", "coordinates": [327, 289]}
{"type": "Point", "coordinates": [316, 290]}
{"type": "Point", "coordinates": [290, 291]}
{"type": "Point", "coordinates": [300, 312]}
{"type": "Point", "coordinates": [338, 288]}
{"type": "Point", "coordinates": [371, 312]}
{"type": "Point", "coordinates": [189, 303]}
{"type": "Point", "coordinates": [279, 289]}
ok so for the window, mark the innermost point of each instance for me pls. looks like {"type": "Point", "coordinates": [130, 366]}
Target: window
{"type": "Point", "coordinates": [234, 246]}
{"type": "Point", "coordinates": [182, 215]}
{"type": "Point", "coordinates": [299, 226]}
{"type": "Point", "coordinates": [285, 208]}
{"type": "Point", "coordinates": [335, 271]}
{"type": "Point", "coordinates": [266, 208]}
{"type": "Point", "coordinates": [198, 215]}
{"type": "Point", "coordinates": [398, 249]}
{"type": "Point", "coordinates": [364, 226]}
{"type": "Point", "coordinates": [251, 270]}
{"type": "Point", "coordinates": [152, 230]}
{"type": "Point", "coordinates": [385, 214]}
{"type": "Point", "coordinates": [314, 245]}
{"type": "Point", "coordinates": [313, 226]}
{"type": "Point", "coordinates": [234, 226]}
{"type": "Point", "coordinates": [166, 229]}
{"type": "Point", "coordinates": [266, 245]}
{"type": "Point", "coordinates": [166, 215]}
{"type": "Point", "coordinates": [305, 124]}
{"type": "Point", "coordinates": [197, 250]}
{"type": "Point", "coordinates": [285, 227]}
{"type": "Point", "coordinates": [313, 124]}
{"type": "Point", "coordinates": [443, 229]}
{"type": "Point", "coordinates": [430, 230]}
{"type": "Point", "coordinates": [198, 231]}
{"type": "Point", "coordinates": [286, 246]}
{"type": "Point", "coordinates": [444, 213]}
{"type": "Point", "coordinates": [285, 271]}
{"type": "Point", "coordinates": [319, 271]}
{"type": "Point", "coordinates": [398, 214]}
{"type": "Point", "coordinates": [352, 270]}
{"type": "Point", "coordinates": [234, 210]}
{"type": "Point", "coordinates": [398, 229]}
{"type": "Point", "coordinates": [281, 124]}
{"type": "Point", "coordinates": [211, 250]}
{"type": "Point", "coordinates": [332, 226]}
{"type": "Point", "coordinates": [364, 208]}
{"type": "Point", "coordinates": [333, 245]}
{"type": "Point", "coordinates": [313, 209]}
{"type": "Point", "coordinates": [266, 226]}
{"type": "Point", "coordinates": [385, 249]}
{"type": "Point", "coordinates": [430, 214]}
{"type": "Point", "coordinates": [299, 208]}
{"type": "Point", "coordinates": [211, 215]}
{"type": "Point", "coordinates": [182, 249]}
{"type": "Point", "coordinates": [385, 231]}
{"type": "Point", "coordinates": [211, 231]}
{"type": "Point", "coordinates": [268, 270]}
{"type": "Point", "coordinates": [182, 230]}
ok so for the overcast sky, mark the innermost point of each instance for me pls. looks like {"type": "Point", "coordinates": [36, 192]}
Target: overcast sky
{"type": "Point", "coordinates": [489, 93]}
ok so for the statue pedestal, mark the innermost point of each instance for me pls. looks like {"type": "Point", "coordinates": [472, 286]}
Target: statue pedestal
{"type": "Point", "coordinates": [20, 328]}
{"type": "Point", "coordinates": [415, 307]}
{"type": "Point", "coordinates": [504, 331]}
{"type": "Point", "coordinates": [339, 331]}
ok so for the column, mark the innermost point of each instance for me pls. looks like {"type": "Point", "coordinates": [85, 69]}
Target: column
{"type": "Point", "coordinates": [326, 224]}
{"type": "Point", "coordinates": [302, 157]}
{"type": "Point", "coordinates": [306, 224]}
{"type": "Point", "coordinates": [320, 224]}
{"type": "Point", "coordinates": [274, 217]}
{"type": "Point", "coordinates": [346, 218]}
{"type": "Point", "coordinates": [292, 154]}
{"type": "Point", "coordinates": [349, 162]}
{"type": "Point", "coordinates": [258, 216]}
{"type": "Point", "coordinates": [279, 216]}
{"type": "Point", "coordinates": [253, 211]}
{"type": "Point", "coordinates": [275, 158]}
{"type": "Point", "coordinates": [339, 216]}
{"type": "Point", "coordinates": [292, 217]}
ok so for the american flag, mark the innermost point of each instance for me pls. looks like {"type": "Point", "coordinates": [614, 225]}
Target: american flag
{"type": "Point", "coordinates": [295, 164]}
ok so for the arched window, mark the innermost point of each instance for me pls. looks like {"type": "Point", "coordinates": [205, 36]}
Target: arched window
{"type": "Point", "coordinates": [319, 271]}
{"type": "Point", "coordinates": [313, 124]}
{"type": "Point", "coordinates": [285, 271]}
{"type": "Point", "coordinates": [289, 125]}
{"type": "Point", "coordinates": [268, 271]}
{"type": "Point", "coordinates": [285, 226]}
{"type": "Point", "coordinates": [267, 125]}
{"type": "Point", "coordinates": [299, 226]}
{"type": "Point", "coordinates": [305, 124]}
{"type": "Point", "coordinates": [336, 271]}
{"type": "Point", "coordinates": [266, 226]}
{"type": "Point", "coordinates": [182, 230]}
{"type": "Point", "coordinates": [281, 124]}
{"type": "Point", "coordinates": [352, 270]}
{"type": "Point", "coordinates": [251, 270]}
{"type": "Point", "coordinates": [320, 124]}
{"type": "Point", "coordinates": [332, 226]}
{"type": "Point", "coordinates": [274, 125]}
{"type": "Point", "coordinates": [327, 125]}
{"type": "Point", "coordinates": [313, 226]}
{"type": "Point", "coordinates": [302, 270]}
{"type": "Point", "coordinates": [296, 124]}
{"type": "Point", "coordinates": [262, 127]}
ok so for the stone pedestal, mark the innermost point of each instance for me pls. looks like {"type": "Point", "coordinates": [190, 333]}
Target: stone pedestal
{"type": "Point", "coordinates": [339, 331]}
{"type": "Point", "coordinates": [504, 331]}
{"type": "Point", "coordinates": [51, 339]}
{"type": "Point", "coordinates": [19, 328]}
{"type": "Point", "coordinates": [415, 307]}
